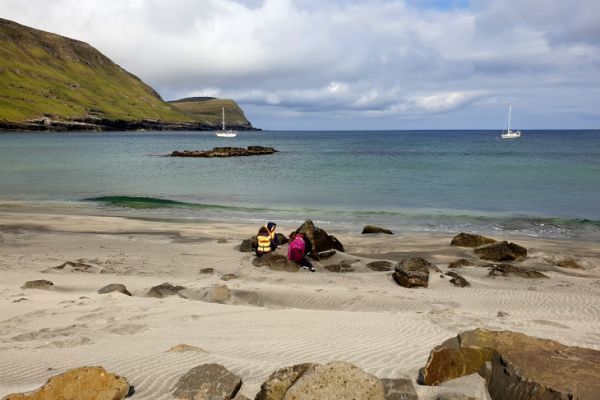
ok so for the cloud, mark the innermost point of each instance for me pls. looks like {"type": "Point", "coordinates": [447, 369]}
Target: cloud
{"type": "Point", "coordinates": [386, 61]}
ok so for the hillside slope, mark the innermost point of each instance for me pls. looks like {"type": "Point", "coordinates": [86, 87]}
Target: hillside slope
{"type": "Point", "coordinates": [48, 81]}
{"type": "Point", "coordinates": [209, 109]}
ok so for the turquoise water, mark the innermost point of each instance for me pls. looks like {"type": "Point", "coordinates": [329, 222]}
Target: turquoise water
{"type": "Point", "coordinates": [547, 183]}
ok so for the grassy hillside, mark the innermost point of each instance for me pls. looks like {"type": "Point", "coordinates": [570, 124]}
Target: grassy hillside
{"type": "Point", "coordinates": [46, 74]}
{"type": "Point", "coordinates": [209, 109]}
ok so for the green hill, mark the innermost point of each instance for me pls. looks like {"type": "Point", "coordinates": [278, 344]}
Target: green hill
{"type": "Point", "coordinates": [48, 81]}
{"type": "Point", "coordinates": [209, 109]}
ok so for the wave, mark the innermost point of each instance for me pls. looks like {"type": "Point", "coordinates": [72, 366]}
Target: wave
{"type": "Point", "coordinates": [402, 219]}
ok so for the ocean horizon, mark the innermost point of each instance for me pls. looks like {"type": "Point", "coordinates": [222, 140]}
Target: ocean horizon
{"type": "Point", "coordinates": [544, 184]}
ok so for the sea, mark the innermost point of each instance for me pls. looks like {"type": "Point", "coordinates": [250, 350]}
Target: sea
{"type": "Point", "coordinates": [545, 184]}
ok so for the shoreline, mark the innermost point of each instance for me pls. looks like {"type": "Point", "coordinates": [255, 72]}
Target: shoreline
{"type": "Point", "coordinates": [273, 318]}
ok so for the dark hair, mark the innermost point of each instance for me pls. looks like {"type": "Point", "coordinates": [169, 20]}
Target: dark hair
{"type": "Point", "coordinates": [271, 225]}
{"type": "Point", "coordinates": [263, 231]}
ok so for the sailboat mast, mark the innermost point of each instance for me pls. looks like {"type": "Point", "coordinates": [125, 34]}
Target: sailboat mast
{"type": "Point", "coordinates": [223, 110]}
{"type": "Point", "coordinates": [509, 115]}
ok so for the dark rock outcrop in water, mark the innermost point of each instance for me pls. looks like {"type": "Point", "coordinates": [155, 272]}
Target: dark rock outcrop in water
{"type": "Point", "coordinates": [517, 366]}
{"type": "Point", "coordinates": [226, 152]}
{"type": "Point", "coordinates": [469, 240]}
{"type": "Point", "coordinates": [501, 251]}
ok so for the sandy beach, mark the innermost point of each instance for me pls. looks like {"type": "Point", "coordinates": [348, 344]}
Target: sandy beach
{"type": "Point", "coordinates": [273, 318]}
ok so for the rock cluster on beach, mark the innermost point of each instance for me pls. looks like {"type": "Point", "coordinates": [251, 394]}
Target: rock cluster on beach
{"type": "Point", "coordinates": [218, 152]}
{"type": "Point", "coordinates": [516, 366]}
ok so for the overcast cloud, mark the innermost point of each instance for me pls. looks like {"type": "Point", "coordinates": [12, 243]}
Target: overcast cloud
{"type": "Point", "coordinates": [295, 64]}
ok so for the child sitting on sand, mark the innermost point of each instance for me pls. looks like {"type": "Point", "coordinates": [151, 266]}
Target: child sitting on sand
{"type": "Point", "coordinates": [264, 243]}
{"type": "Point", "coordinates": [297, 251]}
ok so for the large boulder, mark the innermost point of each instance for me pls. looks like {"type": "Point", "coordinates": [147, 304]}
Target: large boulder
{"type": "Point", "coordinates": [501, 251]}
{"type": "Point", "coordinates": [336, 380]}
{"type": "Point", "coordinates": [318, 238]}
{"type": "Point", "coordinates": [413, 272]}
{"type": "Point", "coordinates": [276, 386]}
{"type": "Point", "coordinates": [469, 240]}
{"type": "Point", "coordinates": [85, 383]}
{"type": "Point", "coordinates": [207, 382]}
{"type": "Point", "coordinates": [165, 290]}
{"type": "Point", "coordinates": [114, 287]}
{"type": "Point", "coordinates": [37, 284]}
{"type": "Point", "coordinates": [276, 262]}
{"type": "Point", "coordinates": [517, 366]}
{"type": "Point", "coordinates": [368, 229]}
{"type": "Point", "coordinates": [504, 269]}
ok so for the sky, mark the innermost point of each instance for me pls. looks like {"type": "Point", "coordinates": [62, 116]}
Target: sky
{"type": "Point", "coordinates": [353, 64]}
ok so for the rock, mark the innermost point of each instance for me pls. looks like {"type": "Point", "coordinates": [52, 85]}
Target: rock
{"type": "Point", "coordinates": [114, 287]}
{"type": "Point", "coordinates": [412, 272]}
{"type": "Point", "coordinates": [458, 280]}
{"type": "Point", "coordinates": [319, 239]}
{"type": "Point", "coordinates": [336, 380]}
{"type": "Point", "coordinates": [85, 383]}
{"type": "Point", "coordinates": [380, 265]}
{"type": "Point", "coordinates": [281, 238]}
{"type": "Point", "coordinates": [569, 263]}
{"type": "Point", "coordinates": [165, 290]}
{"type": "Point", "coordinates": [182, 348]}
{"type": "Point", "coordinates": [502, 314]}
{"type": "Point", "coordinates": [276, 386]}
{"type": "Point", "coordinates": [522, 367]}
{"type": "Point", "coordinates": [276, 262]}
{"type": "Point", "coordinates": [399, 389]}
{"type": "Point", "coordinates": [368, 229]}
{"type": "Point", "coordinates": [228, 277]}
{"type": "Point", "coordinates": [454, 396]}
{"type": "Point", "coordinates": [207, 270]}
{"type": "Point", "coordinates": [249, 244]}
{"type": "Point", "coordinates": [469, 240]}
{"type": "Point", "coordinates": [226, 152]}
{"type": "Point", "coordinates": [508, 269]}
{"type": "Point", "coordinates": [461, 262]}
{"type": "Point", "coordinates": [223, 240]}
{"type": "Point", "coordinates": [342, 266]}
{"type": "Point", "coordinates": [75, 266]}
{"type": "Point", "coordinates": [240, 396]}
{"type": "Point", "coordinates": [324, 255]}
{"type": "Point", "coordinates": [218, 294]}
{"type": "Point", "coordinates": [501, 251]}
{"type": "Point", "coordinates": [207, 382]}
{"type": "Point", "coordinates": [37, 284]}
{"type": "Point", "coordinates": [20, 300]}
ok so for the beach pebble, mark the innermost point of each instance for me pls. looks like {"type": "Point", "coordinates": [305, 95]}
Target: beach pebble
{"type": "Point", "coordinates": [228, 277]}
{"type": "Point", "coordinates": [380, 266]}
{"type": "Point", "coordinates": [207, 270]}
{"type": "Point", "coordinates": [209, 382]}
{"type": "Point", "coordinates": [458, 279]}
{"type": "Point", "coordinates": [37, 284]}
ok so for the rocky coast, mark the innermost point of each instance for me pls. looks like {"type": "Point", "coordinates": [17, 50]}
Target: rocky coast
{"type": "Point", "coordinates": [159, 309]}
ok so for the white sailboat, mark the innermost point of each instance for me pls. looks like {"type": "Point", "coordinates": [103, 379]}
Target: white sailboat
{"type": "Point", "coordinates": [510, 134]}
{"type": "Point", "coordinates": [224, 132]}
